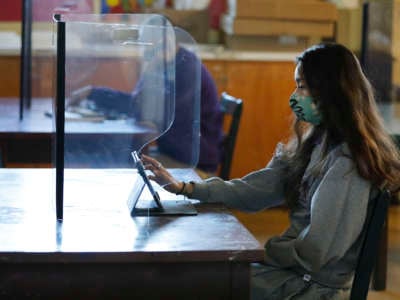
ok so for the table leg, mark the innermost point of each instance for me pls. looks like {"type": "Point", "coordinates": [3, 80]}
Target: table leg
{"type": "Point", "coordinates": [240, 273]}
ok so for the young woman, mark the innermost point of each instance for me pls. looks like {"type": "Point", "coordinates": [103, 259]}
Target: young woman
{"type": "Point", "coordinates": [339, 156]}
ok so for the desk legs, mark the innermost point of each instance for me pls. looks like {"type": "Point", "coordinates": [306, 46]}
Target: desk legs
{"type": "Point", "coordinates": [240, 281]}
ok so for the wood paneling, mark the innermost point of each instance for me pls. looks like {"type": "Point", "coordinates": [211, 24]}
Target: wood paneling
{"type": "Point", "coordinates": [217, 69]}
{"type": "Point", "coordinates": [117, 73]}
{"type": "Point", "coordinates": [9, 76]}
{"type": "Point", "coordinates": [265, 88]}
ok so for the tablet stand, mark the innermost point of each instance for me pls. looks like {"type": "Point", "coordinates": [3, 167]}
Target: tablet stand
{"type": "Point", "coordinates": [166, 207]}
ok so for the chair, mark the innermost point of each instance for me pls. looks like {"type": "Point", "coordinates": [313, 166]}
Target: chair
{"type": "Point", "coordinates": [368, 254]}
{"type": "Point", "coordinates": [232, 107]}
{"type": "Point", "coordinates": [396, 139]}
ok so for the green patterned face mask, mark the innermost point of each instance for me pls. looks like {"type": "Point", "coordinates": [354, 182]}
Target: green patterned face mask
{"type": "Point", "coordinates": [305, 109]}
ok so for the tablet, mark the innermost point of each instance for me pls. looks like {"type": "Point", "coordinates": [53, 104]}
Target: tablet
{"type": "Point", "coordinates": [169, 207]}
{"type": "Point", "coordinates": [142, 173]}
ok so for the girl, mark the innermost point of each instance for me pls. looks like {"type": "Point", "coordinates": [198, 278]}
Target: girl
{"type": "Point", "coordinates": [339, 156]}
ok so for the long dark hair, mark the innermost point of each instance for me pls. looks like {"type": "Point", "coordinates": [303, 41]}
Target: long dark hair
{"type": "Point", "coordinates": [345, 98]}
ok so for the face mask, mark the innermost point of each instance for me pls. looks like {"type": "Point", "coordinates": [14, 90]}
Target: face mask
{"type": "Point", "coordinates": [305, 109]}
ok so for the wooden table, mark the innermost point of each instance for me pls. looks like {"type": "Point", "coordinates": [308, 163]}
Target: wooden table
{"type": "Point", "coordinates": [36, 132]}
{"type": "Point", "coordinates": [100, 252]}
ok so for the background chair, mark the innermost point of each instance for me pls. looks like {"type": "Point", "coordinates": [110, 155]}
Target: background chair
{"type": "Point", "coordinates": [396, 138]}
{"type": "Point", "coordinates": [379, 276]}
{"type": "Point", "coordinates": [377, 215]}
{"type": "Point", "coordinates": [231, 107]}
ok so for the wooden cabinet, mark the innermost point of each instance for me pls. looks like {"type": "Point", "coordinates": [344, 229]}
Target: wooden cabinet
{"type": "Point", "coordinates": [43, 69]}
{"type": "Point", "coordinates": [217, 69]}
{"type": "Point", "coordinates": [9, 76]}
{"type": "Point", "coordinates": [265, 88]}
{"type": "Point", "coordinates": [118, 73]}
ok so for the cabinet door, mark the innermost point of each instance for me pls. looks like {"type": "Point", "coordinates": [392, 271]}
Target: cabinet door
{"type": "Point", "coordinates": [9, 76]}
{"type": "Point", "coordinates": [265, 88]}
{"type": "Point", "coordinates": [118, 73]}
{"type": "Point", "coordinates": [217, 68]}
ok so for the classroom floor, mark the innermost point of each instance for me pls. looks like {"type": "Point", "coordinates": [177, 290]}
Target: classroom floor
{"type": "Point", "coordinates": [271, 222]}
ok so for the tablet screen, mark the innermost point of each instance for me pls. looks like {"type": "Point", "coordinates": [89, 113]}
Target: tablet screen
{"type": "Point", "coordinates": [142, 173]}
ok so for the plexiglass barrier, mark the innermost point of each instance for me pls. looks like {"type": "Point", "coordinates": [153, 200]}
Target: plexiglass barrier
{"type": "Point", "coordinates": [119, 87]}
{"type": "Point", "coordinates": [38, 46]}
{"type": "Point", "coordinates": [179, 146]}
{"type": "Point", "coordinates": [129, 83]}
{"type": "Point", "coordinates": [132, 84]}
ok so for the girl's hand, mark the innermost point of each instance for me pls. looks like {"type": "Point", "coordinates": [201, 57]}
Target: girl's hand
{"type": "Point", "coordinates": [161, 175]}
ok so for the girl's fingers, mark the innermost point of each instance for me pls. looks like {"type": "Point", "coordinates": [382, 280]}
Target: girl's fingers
{"type": "Point", "coordinates": [159, 173]}
{"type": "Point", "coordinates": [149, 160]}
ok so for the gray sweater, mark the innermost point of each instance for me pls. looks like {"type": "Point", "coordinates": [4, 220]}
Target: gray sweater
{"type": "Point", "coordinates": [324, 236]}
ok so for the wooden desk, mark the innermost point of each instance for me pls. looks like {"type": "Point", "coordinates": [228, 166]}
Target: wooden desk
{"type": "Point", "coordinates": [36, 132]}
{"type": "Point", "coordinates": [101, 252]}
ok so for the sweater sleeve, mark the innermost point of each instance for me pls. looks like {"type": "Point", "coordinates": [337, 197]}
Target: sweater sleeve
{"type": "Point", "coordinates": [253, 192]}
{"type": "Point", "coordinates": [338, 211]}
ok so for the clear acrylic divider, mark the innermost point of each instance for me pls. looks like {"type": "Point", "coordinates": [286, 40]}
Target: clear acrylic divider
{"type": "Point", "coordinates": [178, 148]}
{"type": "Point", "coordinates": [117, 97]}
{"type": "Point", "coordinates": [39, 42]}
{"type": "Point", "coordinates": [119, 87]}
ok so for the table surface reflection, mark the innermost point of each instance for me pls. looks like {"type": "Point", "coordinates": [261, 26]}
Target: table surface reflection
{"type": "Point", "coordinates": [36, 121]}
{"type": "Point", "coordinates": [97, 225]}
